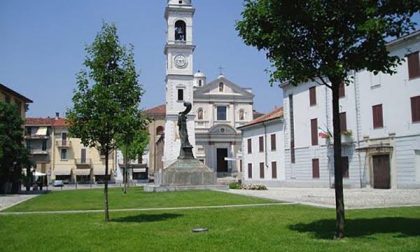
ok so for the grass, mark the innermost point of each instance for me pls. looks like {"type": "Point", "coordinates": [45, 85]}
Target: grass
{"type": "Point", "coordinates": [135, 198]}
{"type": "Point", "coordinates": [269, 228]}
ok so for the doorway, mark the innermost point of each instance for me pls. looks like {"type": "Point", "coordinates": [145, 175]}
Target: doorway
{"type": "Point", "coordinates": [222, 165]}
{"type": "Point", "coordinates": [381, 172]}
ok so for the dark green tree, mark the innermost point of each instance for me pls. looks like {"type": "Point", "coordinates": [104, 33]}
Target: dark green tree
{"type": "Point", "coordinates": [323, 41]}
{"type": "Point", "coordinates": [133, 141]}
{"type": "Point", "coordinates": [107, 96]}
{"type": "Point", "coordinates": [13, 154]}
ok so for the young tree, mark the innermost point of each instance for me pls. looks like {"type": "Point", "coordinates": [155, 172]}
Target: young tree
{"type": "Point", "coordinates": [322, 41]}
{"type": "Point", "coordinates": [13, 154]}
{"type": "Point", "coordinates": [107, 96]}
{"type": "Point", "coordinates": [133, 142]}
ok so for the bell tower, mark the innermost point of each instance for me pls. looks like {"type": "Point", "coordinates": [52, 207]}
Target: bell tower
{"type": "Point", "coordinates": [179, 79]}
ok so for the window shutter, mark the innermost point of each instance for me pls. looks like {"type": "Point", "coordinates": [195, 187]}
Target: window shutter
{"type": "Point", "coordinates": [314, 131]}
{"type": "Point", "coordinates": [261, 170]}
{"type": "Point", "coordinates": [315, 168]}
{"type": "Point", "coordinates": [341, 90]}
{"type": "Point", "coordinates": [261, 141]}
{"type": "Point", "coordinates": [343, 122]}
{"type": "Point", "coordinates": [274, 170]}
{"type": "Point", "coordinates": [345, 166]}
{"type": "Point", "coordinates": [249, 146]}
{"type": "Point", "coordinates": [415, 108]}
{"type": "Point", "coordinates": [312, 96]}
{"type": "Point", "coordinates": [273, 142]}
{"type": "Point", "coordinates": [249, 170]}
{"type": "Point", "coordinates": [413, 62]}
{"type": "Point", "coordinates": [377, 116]}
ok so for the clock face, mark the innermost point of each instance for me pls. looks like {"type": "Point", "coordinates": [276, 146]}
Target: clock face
{"type": "Point", "coordinates": [180, 61]}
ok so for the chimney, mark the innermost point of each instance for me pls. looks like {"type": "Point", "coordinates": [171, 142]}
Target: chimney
{"type": "Point", "coordinates": [57, 115]}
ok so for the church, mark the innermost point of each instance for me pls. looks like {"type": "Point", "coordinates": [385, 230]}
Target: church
{"type": "Point", "coordinates": [219, 106]}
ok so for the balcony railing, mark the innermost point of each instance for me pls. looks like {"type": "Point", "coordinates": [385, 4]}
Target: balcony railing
{"type": "Point", "coordinates": [63, 143]}
{"type": "Point", "coordinates": [33, 136]}
{"type": "Point", "coordinates": [85, 162]}
{"type": "Point", "coordinates": [38, 152]}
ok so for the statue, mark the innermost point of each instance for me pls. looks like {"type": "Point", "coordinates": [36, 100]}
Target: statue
{"type": "Point", "coordinates": [186, 148]}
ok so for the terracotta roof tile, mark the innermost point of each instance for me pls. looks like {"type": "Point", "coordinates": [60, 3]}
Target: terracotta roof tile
{"type": "Point", "coordinates": [276, 113]}
{"type": "Point", "coordinates": [158, 110]}
{"type": "Point", "coordinates": [39, 121]}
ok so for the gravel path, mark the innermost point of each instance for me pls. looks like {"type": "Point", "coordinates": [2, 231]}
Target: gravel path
{"type": "Point", "coordinates": [353, 198]}
{"type": "Point", "coordinates": [7, 201]}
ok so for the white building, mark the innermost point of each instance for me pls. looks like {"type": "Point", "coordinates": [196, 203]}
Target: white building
{"type": "Point", "coordinates": [262, 150]}
{"type": "Point", "coordinates": [381, 116]}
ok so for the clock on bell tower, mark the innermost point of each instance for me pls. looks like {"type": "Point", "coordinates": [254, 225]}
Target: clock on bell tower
{"type": "Point", "coordinates": [179, 50]}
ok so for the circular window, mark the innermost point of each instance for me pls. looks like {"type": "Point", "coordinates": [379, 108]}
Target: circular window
{"type": "Point", "coordinates": [222, 130]}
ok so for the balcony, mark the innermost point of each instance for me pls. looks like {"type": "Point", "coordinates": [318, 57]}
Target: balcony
{"type": "Point", "coordinates": [38, 152]}
{"type": "Point", "coordinates": [34, 136]}
{"type": "Point", "coordinates": [83, 162]}
{"type": "Point", "coordinates": [63, 143]}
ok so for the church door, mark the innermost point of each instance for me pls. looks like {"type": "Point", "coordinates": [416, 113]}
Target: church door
{"type": "Point", "coordinates": [381, 172]}
{"type": "Point", "coordinates": [222, 165]}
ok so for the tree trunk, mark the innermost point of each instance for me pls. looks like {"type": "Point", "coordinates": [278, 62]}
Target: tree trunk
{"type": "Point", "coordinates": [106, 186]}
{"type": "Point", "coordinates": [125, 170]}
{"type": "Point", "coordinates": [338, 172]}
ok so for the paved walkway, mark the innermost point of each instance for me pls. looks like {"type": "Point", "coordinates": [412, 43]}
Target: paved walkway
{"type": "Point", "coordinates": [353, 198]}
{"type": "Point", "coordinates": [7, 201]}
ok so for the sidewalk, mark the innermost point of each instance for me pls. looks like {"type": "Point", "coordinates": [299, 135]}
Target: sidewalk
{"type": "Point", "coordinates": [353, 198]}
{"type": "Point", "coordinates": [7, 201]}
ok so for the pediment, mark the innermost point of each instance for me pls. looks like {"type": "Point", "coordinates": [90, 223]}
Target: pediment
{"type": "Point", "coordinates": [212, 89]}
{"type": "Point", "coordinates": [222, 129]}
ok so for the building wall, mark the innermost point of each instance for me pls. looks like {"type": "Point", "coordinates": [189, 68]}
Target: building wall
{"type": "Point", "coordinates": [20, 103]}
{"type": "Point", "coordinates": [267, 156]}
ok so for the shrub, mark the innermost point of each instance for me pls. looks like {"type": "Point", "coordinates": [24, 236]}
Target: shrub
{"type": "Point", "coordinates": [234, 185]}
{"type": "Point", "coordinates": [253, 187]}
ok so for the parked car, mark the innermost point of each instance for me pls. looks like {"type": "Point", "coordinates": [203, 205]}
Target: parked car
{"type": "Point", "coordinates": [58, 183]}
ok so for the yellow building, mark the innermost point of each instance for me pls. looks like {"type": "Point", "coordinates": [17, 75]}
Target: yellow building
{"type": "Point", "coordinates": [10, 96]}
{"type": "Point", "coordinates": [66, 158]}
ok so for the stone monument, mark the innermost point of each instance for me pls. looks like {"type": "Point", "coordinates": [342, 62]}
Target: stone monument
{"type": "Point", "coordinates": [186, 172]}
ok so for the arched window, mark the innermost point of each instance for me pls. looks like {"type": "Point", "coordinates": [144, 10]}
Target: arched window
{"type": "Point", "coordinates": [160, 130]}
{"type": "Point", "coordinates": [241, 114]}
{"type": "Point", "coordinates": [180, 31]}
{"type": "Point", "coordinates": [221, 87]}
{"type": "Point", "coordinates": [200, 114]}
{"type": "Point", "coordinates": [200, 83]}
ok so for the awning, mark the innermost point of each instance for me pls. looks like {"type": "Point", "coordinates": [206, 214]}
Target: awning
{"type": "Point", "coordinates": [42, 131]}
{"type": "Point", "coordinates": [101, 171]}
{"type": "Point", "coordinates": [62, 171]}
{"type": "Point", "coordinates": [82, 172]}
{"type": "Point", "coordinates": [139, 170]}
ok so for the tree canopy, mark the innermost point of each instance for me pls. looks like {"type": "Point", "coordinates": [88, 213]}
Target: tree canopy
{"type": "Point", "coordinates": [13, 154]}
{"type": "Point", "coordinates": [107, 98]}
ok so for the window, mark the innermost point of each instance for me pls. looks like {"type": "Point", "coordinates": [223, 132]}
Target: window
{"type": "Point", "coordinates": [241, 114]}
{"type": "Point", "coordinates": [315, 168]}
{"type": "Point", "coordinates": [312, 96]}
{"type": "Point", "coordinates": [413, 65]}
{"type": "Point", "coordinates": [160, 130]}
{"type": "Point", "coordinates": [221, 113]}
{"type": "Point", "coordinates": [249, 146]}
{"type": "Point", "coordinates": [377, 116]}
{"type": "Point", "coordinates": [180, 94]}
{"type": "Point", "coordinates": [261, 170]}
{"type": "Point", "coordinates": [273, 142]}
{"type": "Point", "coordinates": [18, 105]}
{"type": "Point", "coordinates": [221, 87]}
{"type": "Point", "coordinates": [200, 83]}
{"type": "Point", "coordinates": [341, 90]}
{"type": "Point", "coordinates": [63, 154]}
{"type": "Point", "coordinates": [274, 169]}
{"type": "Point", "coordinates": [314, 131]}
{"type": "Point", "coordinates": [343, 122]}
{"type": "Point", "coordinates": [44, 145]}
{"type": "Point", "coordinates": [261, 143]}
{"type": "Point", "coordinates": [345, 166]}
{"type": "Point", "coordinates": [249, 170]}
{"type": "Point", "coordinates": [7, 98]}
{"type": "Point", "coordinates": [200, 114]}
{"type": "Point", "coordinates": [240, 165]}
{"type": "Point", "coordinates": [415, 108]}
{"type": "Point", "coordinates": [180, 32]}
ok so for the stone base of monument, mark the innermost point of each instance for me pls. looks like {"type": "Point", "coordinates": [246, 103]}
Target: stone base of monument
{"type": "Point", "coordinates": [185, 174]}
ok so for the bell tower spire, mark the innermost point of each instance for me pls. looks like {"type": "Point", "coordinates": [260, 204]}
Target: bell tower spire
{"type": "Point", "coordinates": [179, 79]}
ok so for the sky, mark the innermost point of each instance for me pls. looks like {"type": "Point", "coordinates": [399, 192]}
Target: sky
{"type": "Point", "coordinates": [42, 48]}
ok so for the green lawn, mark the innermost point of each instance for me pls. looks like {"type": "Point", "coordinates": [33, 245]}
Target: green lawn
{"type": "Point", "coordinates": [135, 198]}
{"type": "Point", "coordinates": [269, 228]}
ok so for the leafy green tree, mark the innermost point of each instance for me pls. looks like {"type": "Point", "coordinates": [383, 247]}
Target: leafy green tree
{"type": "Point", "coordinates": [107, 96]}
{"type": "Point", "coordinates": [133, 142]}
{"type": "Point", "coordinates": [13, 154]}
{"type": "Point", "coordinates": [323, 41]}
